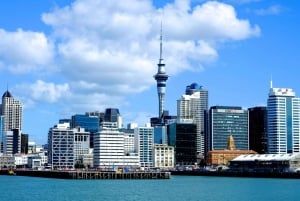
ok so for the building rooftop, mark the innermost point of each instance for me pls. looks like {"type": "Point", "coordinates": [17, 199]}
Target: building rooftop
{"type": "Point", "coordinates": [7, 94]}
{"type": "Point", "coordinates": [265, 157]}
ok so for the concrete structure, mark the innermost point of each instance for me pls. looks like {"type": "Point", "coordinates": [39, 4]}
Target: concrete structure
{"type": "Point", "coordinates": [191, 106]}
{"type": "Point", "coordinates": [61, 147]}
{"type": "Point", "coordinates": [225, 121]}
{"type": "Point", "coordinates": [182, 136]}
{"type": "Point", "coordinates": [144, 141]}
{"type": "Point", "coordinates": [109, 150]}
{"type": "Point", "coordinates": [7, 161]}
{"type": "Point", "coordinates": [81, 143]}
{"type": "Point", "coordinates": [258, 129]}
{"type": "Point", "coordinates": [161, 78]}
{"type": "Point", "coordinates": [283, 121]}
{"type": "Point", "coordinates": [163, 156]}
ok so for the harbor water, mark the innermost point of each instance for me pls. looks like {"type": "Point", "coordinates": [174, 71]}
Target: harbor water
{"type": "Point", "coordinates": [178, 188]}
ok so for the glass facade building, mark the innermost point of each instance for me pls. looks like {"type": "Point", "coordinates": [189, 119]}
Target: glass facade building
{"type": "Point", "coordinates": [183, 137]}
{"type": "Point", "coordinates": [283, 124]}
{"type": "Point", "coordinates": [89, 123]}
{"type": "Point", "coordinates": [192, 106]}
{"type": "Point", "coordinates": [144, 140]}
{"type": "Point", "coordinates": [258, 129]}
{"type": "Point", "coordinates": [225, 121]}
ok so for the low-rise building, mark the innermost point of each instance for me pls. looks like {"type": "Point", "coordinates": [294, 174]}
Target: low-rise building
{"type": "Point", "coordinates": [163, 156]}
{"type": "Point", "coordinates": [266, 163]}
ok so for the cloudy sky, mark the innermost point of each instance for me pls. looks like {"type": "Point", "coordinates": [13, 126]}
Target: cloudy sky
{"type": "Point", "coordinates": [64, 57]}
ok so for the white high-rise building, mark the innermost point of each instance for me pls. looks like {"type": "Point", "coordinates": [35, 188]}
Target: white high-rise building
{"type": "Point", "coordinates": [109, 149]}
{"type": "Point", "coordinates": [144, 142]}
{"type": "Point", "coordinates": [191, 106]}
{"type": "Point", "coordinates": [283, 121]}
{"type": "Point", "coordinates": [12, 110]}
{"type": "Point", "coordinates": [61, 147]}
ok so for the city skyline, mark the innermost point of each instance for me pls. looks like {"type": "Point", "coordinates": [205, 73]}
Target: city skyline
{"type": "Point", "coordinates": [59, 65]}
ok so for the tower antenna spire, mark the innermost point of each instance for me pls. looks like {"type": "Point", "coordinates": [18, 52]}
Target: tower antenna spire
{"type": "Point", "coordinates": [271, 82]}
{"type": "Point", "coordinates": [160, 52]}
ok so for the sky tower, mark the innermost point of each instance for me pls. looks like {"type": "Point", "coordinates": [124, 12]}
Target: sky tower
{"type": "Point", "coordinates": [161, 77]}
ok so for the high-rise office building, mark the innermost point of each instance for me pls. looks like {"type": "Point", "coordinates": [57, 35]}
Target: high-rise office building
{"type": "Point", "coordinates": [161, 77]}
{"type": "Point", "coordinates": [61, 147]}
{"type": "Point", "coordinates": [12, 111]}
{"type": "Point", "coordinates": [24, 143]}
{"type": "Point", "coordinates": [258, 129]}
{"type": "Point", "coordinates": [113, 115]}
{"type": "Point", "coordinates": [192, 106]}
{"type": "Point", "coordinates": [89, 123]}
{"type": "Point", "coordinates": [283, 121]}
{"type": "Point", "coordinates": [225, 121]}
{"type": "Point", "coordinates": [182, 136]}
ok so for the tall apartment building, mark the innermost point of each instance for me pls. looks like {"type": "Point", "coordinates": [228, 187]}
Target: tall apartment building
{"type": "Point", "coordinates": [283, 121]}
{"type": "Point", "coordinates": [110, 150]}
{"type": "Point", "coordinates": [225, 121]}
{"type": "Point", "coordinates": [144, 140]}
{"type": "Point", "coordinates": [192, 106]}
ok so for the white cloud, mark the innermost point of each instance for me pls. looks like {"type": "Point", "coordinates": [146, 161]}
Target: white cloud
{"type": "Point", "coordinates": [112, 43]}
{"type": "Point", "coordinates": [24, 51]}
{"type": "Point", "coordinates": [46, 92]}
{"type": "Point", "coordinates": [272, 10]}
{"type": "Point", "coordinates": [108, 49]}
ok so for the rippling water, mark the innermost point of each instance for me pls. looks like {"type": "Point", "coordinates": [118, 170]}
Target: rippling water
{"type": "Point", "coordinates": [178, 188]}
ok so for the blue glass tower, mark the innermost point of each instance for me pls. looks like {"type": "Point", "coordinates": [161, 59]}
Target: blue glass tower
{"type": "Point", "coordinates": [89, 123]}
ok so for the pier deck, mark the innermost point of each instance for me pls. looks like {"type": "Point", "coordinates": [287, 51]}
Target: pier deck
{"type": "Point", "coordinates": [89, 174]}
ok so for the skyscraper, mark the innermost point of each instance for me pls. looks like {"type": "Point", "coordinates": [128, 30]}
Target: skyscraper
{"type": "Point", "coordinates": [258, 129]}
{"type": "Point", "coordinates": [283, 121]}
{"type": "Point", "coordinates": [192, 106]}
{"type": "Point", "coordinates": [12, 112]}
{"type": "Point", "coordinates": [182, 136]}
{"type": "Point", "coordinates": [161, 77]}
{"type": "Point", "coordinates": [225, 121]}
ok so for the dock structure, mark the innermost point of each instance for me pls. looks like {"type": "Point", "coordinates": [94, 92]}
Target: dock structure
{"type": "Point", "coordinates": [73, 174]}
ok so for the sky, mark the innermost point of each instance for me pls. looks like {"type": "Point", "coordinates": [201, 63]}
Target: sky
{"type": "Point", "coordinates": [66, 57]}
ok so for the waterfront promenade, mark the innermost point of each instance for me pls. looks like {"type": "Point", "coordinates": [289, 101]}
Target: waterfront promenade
{"type": "Point", "coordinates": [83, 174]}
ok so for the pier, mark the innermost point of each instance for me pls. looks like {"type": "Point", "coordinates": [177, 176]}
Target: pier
{"type": "Point", "coordinates": [73, 174]}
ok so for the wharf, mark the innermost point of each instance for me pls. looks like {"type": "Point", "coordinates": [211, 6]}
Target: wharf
{"type": "Point", "coordinates": [282, 175]}
{"type": "Point", "coordinates": [89, 174]}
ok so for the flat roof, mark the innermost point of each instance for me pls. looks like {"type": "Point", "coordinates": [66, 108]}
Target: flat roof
{"type": "Point", "coordinates": [265, 157]}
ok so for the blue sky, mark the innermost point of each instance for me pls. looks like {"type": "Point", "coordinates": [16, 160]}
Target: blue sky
{"type": "Point", "coordinates": [63, 57]}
